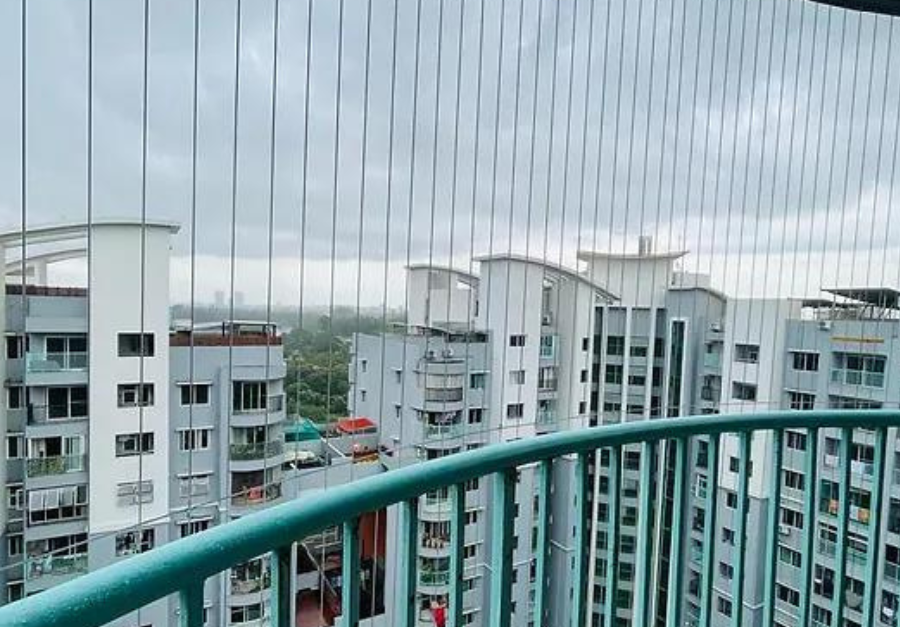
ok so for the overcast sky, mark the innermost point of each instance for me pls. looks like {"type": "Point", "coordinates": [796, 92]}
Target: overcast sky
{"type": "Point", "coordinates": [765, 128]}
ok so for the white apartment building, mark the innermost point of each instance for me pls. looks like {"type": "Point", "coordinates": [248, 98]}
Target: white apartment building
{"type": "Point", "coordinates": [121, 435]}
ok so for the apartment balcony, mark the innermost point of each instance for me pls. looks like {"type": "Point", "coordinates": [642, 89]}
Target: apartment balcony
{"type": "Point", "coordinates": [47, 414]}
{"type": "Point", "coordinates": [50, 570]}
{"type": "Point", "coordinates": [443, 395]}
{"type": "Point", "coordinates": [440, 433]}
{"type": "Point", "coordinates": [271, 411]}
{"type": "Point", "coordinates": [547, 387]}
{"type": "Point", "coordinates": [256, 496]}
{"type": "Point", "coordinates": [56, 368]}
{"type": "Point", "coordinates": [248, 457]}
{"type": "Point", "coordinates": [434, 545]}
{"type": "Point", "coordinates": [249, 585]}
{"type": "Point", "coordinates": [58, 465]}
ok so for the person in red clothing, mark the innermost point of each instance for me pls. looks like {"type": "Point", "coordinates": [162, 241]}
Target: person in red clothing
{"type": "Point", "coordinates": [439, 613]}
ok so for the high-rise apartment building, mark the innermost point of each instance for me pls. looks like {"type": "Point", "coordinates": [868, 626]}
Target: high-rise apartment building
{"type": "Point", "coordinates": [121, 432]}
{"type": "Point", "coordinates": [831, 353]}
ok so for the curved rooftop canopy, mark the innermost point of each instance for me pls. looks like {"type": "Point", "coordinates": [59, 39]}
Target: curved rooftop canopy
{"type": "Point", "coordinates": [553, 270]}
{"type": "Point", "coordinates": [52, 233]}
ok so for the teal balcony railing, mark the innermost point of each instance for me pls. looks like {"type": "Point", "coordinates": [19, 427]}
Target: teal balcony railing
{"type": "Point", "coordinates": [183, 566]}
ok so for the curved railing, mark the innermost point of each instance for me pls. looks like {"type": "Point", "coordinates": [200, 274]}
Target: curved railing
{"type": "Point", "coordinates": [183, 566]}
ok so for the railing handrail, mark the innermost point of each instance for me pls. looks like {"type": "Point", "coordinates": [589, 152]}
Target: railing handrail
{"type": "Point", "coordinates": [109, 593]}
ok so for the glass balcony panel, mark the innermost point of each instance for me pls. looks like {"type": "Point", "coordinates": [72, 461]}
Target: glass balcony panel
{"type": "Point", "coordinates": [56, 565]}
{"type": "Point", "coordinates": [59, 465]}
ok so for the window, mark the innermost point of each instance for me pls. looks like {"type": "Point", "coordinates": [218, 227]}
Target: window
{"type": "Point", "coordinates": [15, 346]}
{"type": "Point", "coordinates": [246, 613]}
{"type": "Point", "coordinates": [14, 545]}
{"type": "Point", "coordinates": [249, 396]}
{"type": "Point", "coordinates": [469, 551]}
{"type": "Point", "coordinates": [584, 375]}
{"type": "Point", "coordinates": [136, 394]}
{"type": "Point", "coordinates": [15, 446]}
{"type": "Point", "coordinates": [723, 605]}
{"type": "Point", "coordinates": [638, 350]}
{"type": "Point", "coordinates": [14, 496]}
{"type": "Point", "coordinates": [66, 352]}
{"type": "Point", "coordinates": [69, 402]}
{"type": "Point", "coordinates": [136, 345]}
{"type": "Point", "coordinates": [791, 518]}
{"type": "Point", "coordinates": [54, 504]}
{"type": "Point", "coordinates": [789, 556]}
{"type": "Point", "coordinates": [472, 484]}
{"type": "Point", "coordinates": [190, 527]}
{"type": "Point", "coordinates": [548, 346]}
{"type": "Point", "coordinates": [821, 616]}
{"type": "Point", "coordinates": [515, 410]}
{"type": "Point", "coordinates": [477, 380]}
{"type": "Point", "coordinates": [808, 362]}
{"type": "Point", "coordinates": [637, 379]}
{"type": "Point", "coordinates": [793, 479]}
{"type": "Point", "coordinates": [585, 343]}
{"type": "Point", "coordinates": [726, 570]}
{"type": "Point", "coordinates": [801, 401]}
{"type": "Point", "coordinates": [788, 595]}
{"type": "Point", "coordinates": [134, 492]}
{"type": "Point", "coordinates": [728, 536]}
{"type": "Point", "coordinates": [476, 416]}
{"type": "Point", "coordinates": [848, 402]}
{"type": "Point", "coordinates": [194, 439]}
{"type": "Point", "coordinates": [194, 393]}
{"type": "Point", "coordinates": [15, 591]}
{"type": "Point", "coordinates": [615, 345]}
{"type": "Point", "coordinates": [128, 444]}
{"type": "Point", "coordinates": [582, 407]}
{"type": "Point", "coordinates": [614, 374]}
{"type": "Point", "coordinates": [796, 441]}
{"type": "Point", "coordinates": [746, 353]}
{"type": "Point", "coordinates": [734, 464]}
{"type": "Point", "coordinates": [731, 500]}
{"type": "Point", "coordinates": [858, 369]}
{"type": "Point", "coordinates": [517, 341]}
{"type": "Point", "coordinates": [471, 517]}
{"type": "Point", "coordinates": [132, 542]}
{"type": "Point", "coordinates": [193, 485]}
{"type": "Point", "coordinates": [15, 397]}
{"type": "Point", "coordinates": [517, 377]}
{"type": "Point", "coordinates": [364, 365]}
{"type": "Point", "coordinates": [743, 391]}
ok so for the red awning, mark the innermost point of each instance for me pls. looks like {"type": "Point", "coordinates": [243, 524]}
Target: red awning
{"type": "Point", "coordinates": [355, 424]}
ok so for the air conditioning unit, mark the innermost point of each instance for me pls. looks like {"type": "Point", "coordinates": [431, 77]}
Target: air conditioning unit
{"type": "Point", "coordinates": [784, 530]}
{"type": "Point", "coordinates": [447, 352]}
{"type": "Point", "coordinates": [825, 325]}
{"type": "Point", "coordinates": [546, 319]}
{"type": "Point", "coordinates": [715, 327]}
{"type": "Point", "coordinates": [430, 355]}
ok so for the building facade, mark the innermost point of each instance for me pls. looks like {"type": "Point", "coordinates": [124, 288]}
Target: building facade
{"type": "Point", "coordinates": [121, 434]}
